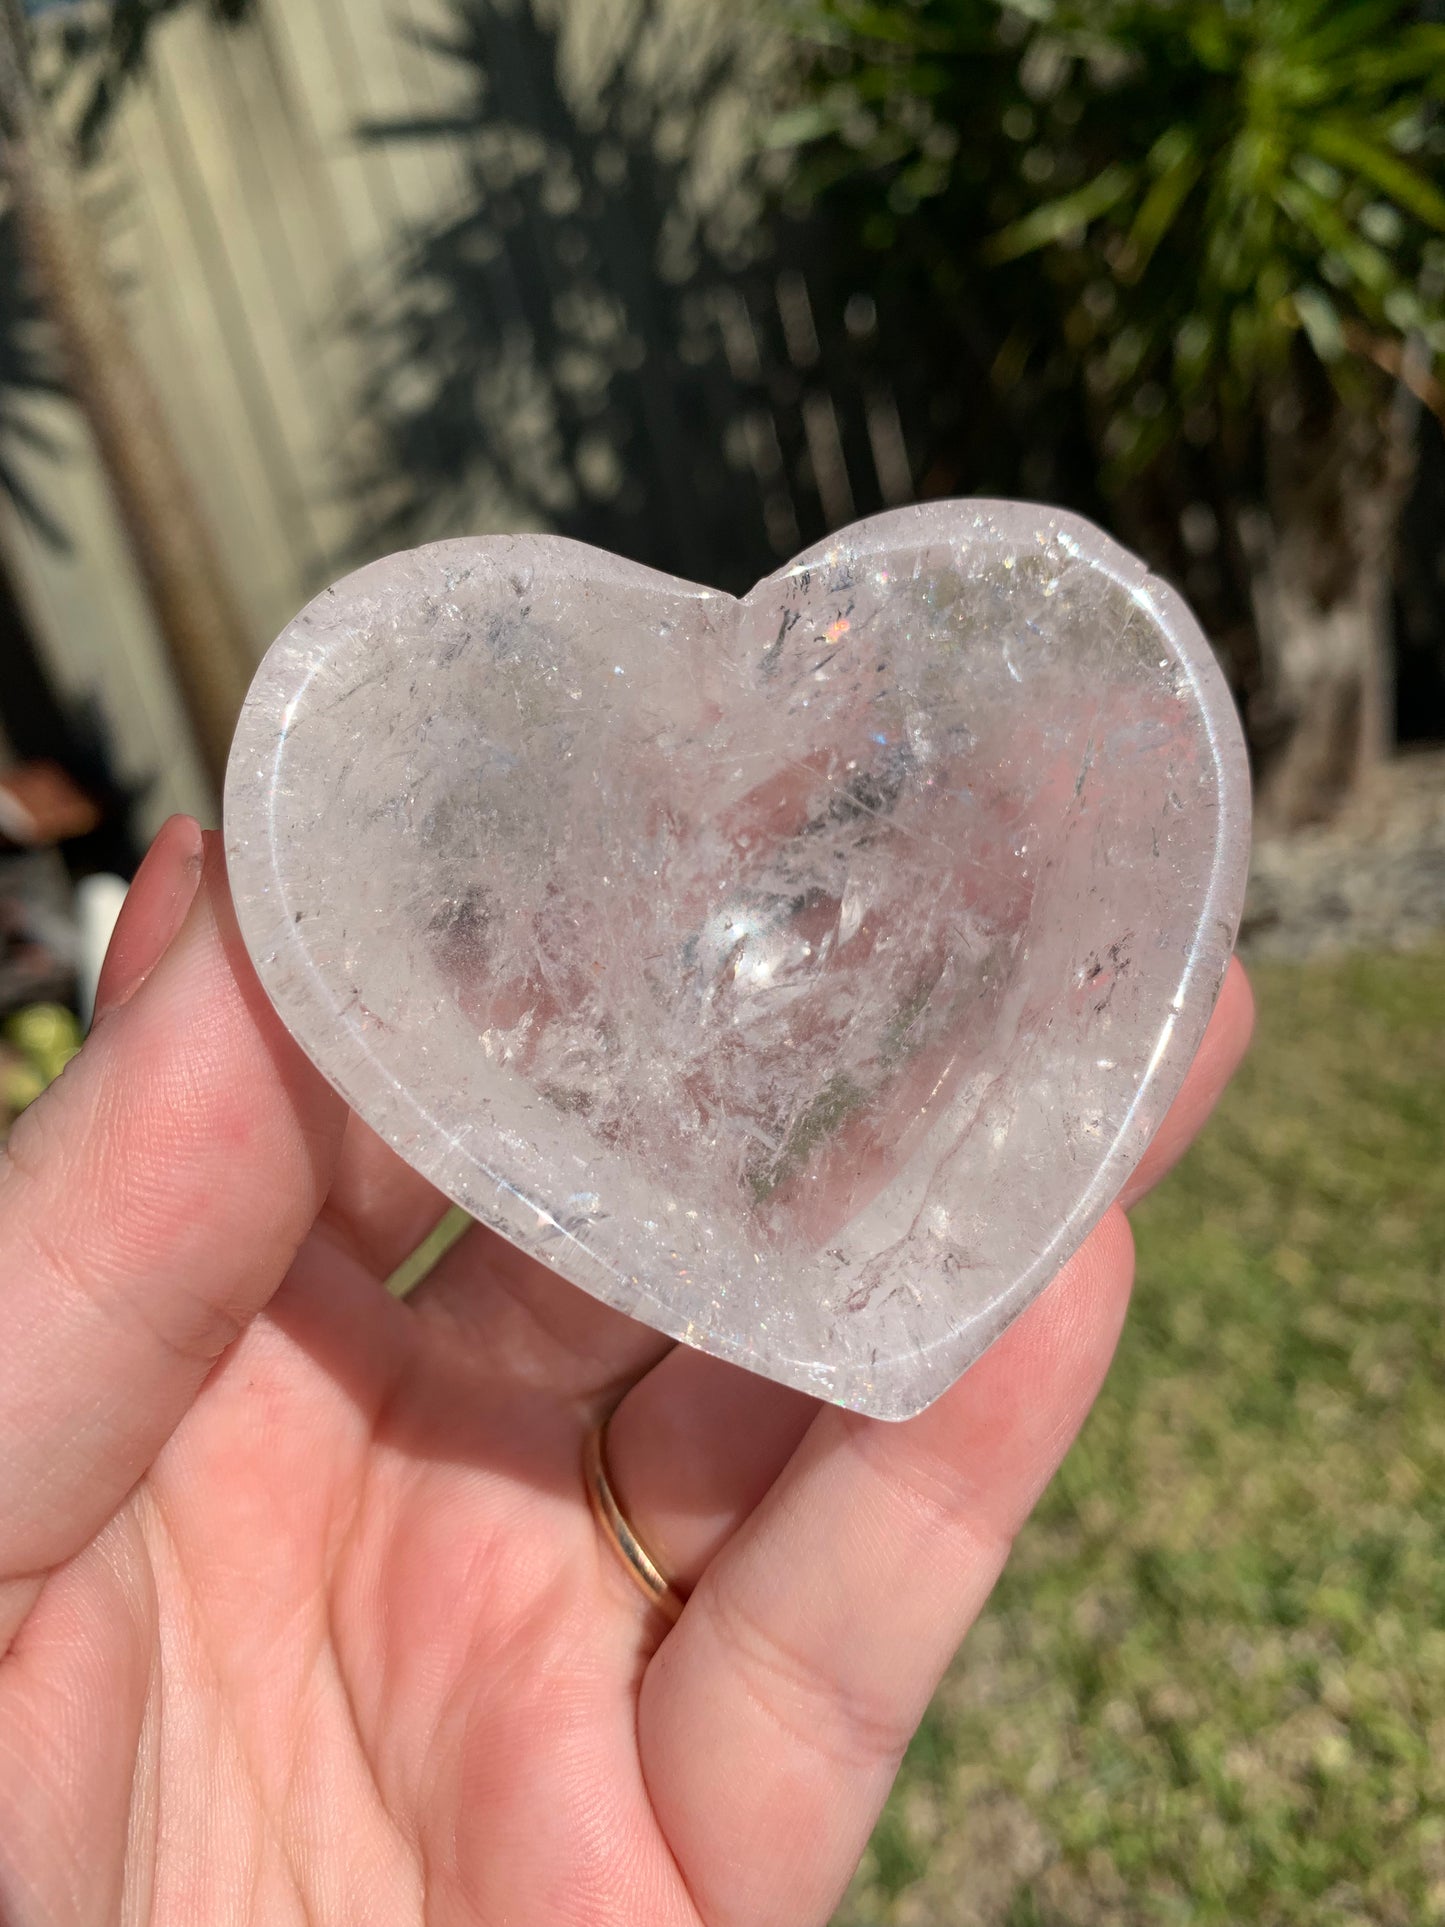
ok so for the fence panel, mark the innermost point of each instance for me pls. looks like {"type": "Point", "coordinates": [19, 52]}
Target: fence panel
{"type": "Point", "coordinates": [272, 251]}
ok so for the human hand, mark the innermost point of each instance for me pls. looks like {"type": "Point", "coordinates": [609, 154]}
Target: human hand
{"type": "Point", "coordinates": [303, 1611]}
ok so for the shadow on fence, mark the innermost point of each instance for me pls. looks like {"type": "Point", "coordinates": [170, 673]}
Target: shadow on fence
{"type": "Point", "coordinates": [591, 340]}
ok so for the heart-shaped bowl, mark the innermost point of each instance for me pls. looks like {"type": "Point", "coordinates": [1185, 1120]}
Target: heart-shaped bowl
{"type": "Point", "coordinates": [803, 975]}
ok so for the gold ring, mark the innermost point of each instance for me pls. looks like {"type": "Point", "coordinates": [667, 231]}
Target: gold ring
{"type": "Point", "coordinates": [634, 1555]}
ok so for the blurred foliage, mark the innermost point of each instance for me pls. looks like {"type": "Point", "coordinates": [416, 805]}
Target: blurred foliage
{"type": "Point", "coordinates": [29, 370]}
{"type": "Point", "coordinates": [36, 1044]}
{"type": "Point", "coordinates": [1155, 197]}
{"type": "Point", "coordinates": [1211, 1686]}
{"type": "Point", "coordinates": [112, 44]}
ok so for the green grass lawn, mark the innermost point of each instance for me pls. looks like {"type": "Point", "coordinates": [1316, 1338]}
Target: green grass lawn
{"type": "Point", "coordinates": [1211, 1687]}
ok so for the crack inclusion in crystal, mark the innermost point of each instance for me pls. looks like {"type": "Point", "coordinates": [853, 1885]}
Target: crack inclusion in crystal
{"type": "Point", "coordinates": [753, 1039]}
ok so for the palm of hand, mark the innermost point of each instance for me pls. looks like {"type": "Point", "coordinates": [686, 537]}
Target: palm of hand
{"type": "Point", "coordinates": [303, 1612]}
{"type": "Point", "coordinates": [372, 1580]}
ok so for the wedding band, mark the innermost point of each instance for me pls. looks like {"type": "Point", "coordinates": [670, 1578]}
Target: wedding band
{"type": "Point", "coordinates": [644, 1569]}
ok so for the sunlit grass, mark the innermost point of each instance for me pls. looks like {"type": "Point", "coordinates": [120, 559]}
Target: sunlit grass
{"type": "Point", "coordinates": [1211, 1688]}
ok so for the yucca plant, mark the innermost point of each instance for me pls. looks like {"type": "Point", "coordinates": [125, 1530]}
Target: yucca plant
{"type": "Point", "coordinates": [1216, 228]}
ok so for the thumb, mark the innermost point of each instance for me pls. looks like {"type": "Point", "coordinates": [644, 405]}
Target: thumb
{"type": "Point", "coordinates": [150, 1203]}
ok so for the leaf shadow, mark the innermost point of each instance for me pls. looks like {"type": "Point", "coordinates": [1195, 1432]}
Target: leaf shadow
{"type": "Point", "coordinates": [589, 339]}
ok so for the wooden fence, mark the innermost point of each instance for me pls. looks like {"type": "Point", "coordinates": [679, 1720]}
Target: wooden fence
{"type": "Point", "coordinates": [406, 267]}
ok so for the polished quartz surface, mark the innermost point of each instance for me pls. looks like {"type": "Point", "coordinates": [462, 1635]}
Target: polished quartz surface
{"type": "Point", "coordinates": [803, 974]}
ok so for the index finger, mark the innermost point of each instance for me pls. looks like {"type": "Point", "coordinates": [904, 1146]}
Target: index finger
{"type": "Point", "coordinates": [774, 1715]}
{"type": "Point", "coordinates": [150, 1203]}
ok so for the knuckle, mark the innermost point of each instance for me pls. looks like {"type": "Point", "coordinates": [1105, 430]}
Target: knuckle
{"type": "Point", "coordinates": [807, 1697]}
{"type": "Point", "coordinates": [930, 1491]}
{"type": "Point", "coordinates": [37, 1142]}
{"type": "Point", "coordinates": [185, 1324]}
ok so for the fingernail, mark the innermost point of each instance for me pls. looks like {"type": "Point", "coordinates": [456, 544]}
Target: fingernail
{"type": "Point", "coordinates": [154, 910]}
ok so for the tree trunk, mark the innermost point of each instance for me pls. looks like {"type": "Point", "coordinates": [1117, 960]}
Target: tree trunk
{"type": "Point", "coordinates": [205, 636]}
{"type": "Point", "coordinates": [1321, 557]}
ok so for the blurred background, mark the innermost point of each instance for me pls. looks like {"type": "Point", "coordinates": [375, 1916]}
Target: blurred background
{"type": "Point", "coordinates": [285, 286]}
